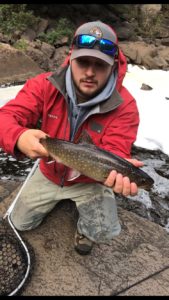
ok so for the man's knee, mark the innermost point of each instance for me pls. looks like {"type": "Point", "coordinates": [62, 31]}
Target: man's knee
{"type": "Point", "coordinates": [27, 222]}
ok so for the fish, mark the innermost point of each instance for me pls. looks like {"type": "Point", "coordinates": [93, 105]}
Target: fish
{"type": "Point", "coordinates": [85, 158]}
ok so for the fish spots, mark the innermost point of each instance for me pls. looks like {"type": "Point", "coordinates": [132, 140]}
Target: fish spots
{"type": "Point", "coordinates": [94, 162]}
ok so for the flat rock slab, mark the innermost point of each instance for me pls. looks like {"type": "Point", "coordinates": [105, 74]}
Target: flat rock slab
{"type": "Point", "coordinates": [137, 255]}
{"type": "Point", "coordinates": [15, 65]}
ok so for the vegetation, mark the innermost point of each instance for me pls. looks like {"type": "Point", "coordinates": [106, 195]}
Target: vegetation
{"type": "Point", "coordinates": [125, 11]}
{"type": "Point", "coordinates": [151, 26]}
{"type": "Point", "coordinates": [21, 44]}
{"type": "Point", "coordinates": [63, 27]}
{"type": "Point", "coordinates": [16, 17]}
{"type": "Point", "coordinates": [19, 17]}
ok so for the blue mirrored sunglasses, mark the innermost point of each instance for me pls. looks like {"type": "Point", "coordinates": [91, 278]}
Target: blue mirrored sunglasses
{"type": "Point", "coordinates": [89, 41]}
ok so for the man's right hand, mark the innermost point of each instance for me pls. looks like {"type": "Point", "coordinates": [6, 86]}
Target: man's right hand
{"type": "Point", "coordinates": [28, 143]}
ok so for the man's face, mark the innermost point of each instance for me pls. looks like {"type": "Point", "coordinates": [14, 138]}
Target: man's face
{"type": "Point", "coordinates": [90, 75]}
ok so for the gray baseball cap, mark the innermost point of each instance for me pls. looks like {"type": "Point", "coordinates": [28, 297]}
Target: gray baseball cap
{"type": "Point", "coordinates": [99, 30]}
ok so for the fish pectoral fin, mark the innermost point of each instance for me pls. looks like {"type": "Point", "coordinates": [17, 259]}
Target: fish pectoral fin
{"type": "Point", "coordinates": [50, 162]}
{"type": "Point", "coordinates": [73, 174]}
{"type": "Point", "coordinates": [56, 158]}
{"type": "Point", "coordinates": [52, 159]}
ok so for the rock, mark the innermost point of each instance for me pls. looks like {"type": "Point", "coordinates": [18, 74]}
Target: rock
{"type": "Point", "coordinates": [124, 31]}
{"type": "Point", "coordinates": [134, 258]}
{"type": "Point", "coordinates": [165, 41]}
{"type": "Point", "coordinates": [157, 62]}
{"type": "Point", "coordinates": [142, 31]}
{"type": "Point", "coordinates": [149, 56]}
{"type": "Point", "coordinates": [4, 38]}
{"type": "Point", "coordinates": [7, 187]}
{"type": "Point", "coordinates": [147, 15]}
{"type": "Point", "coordinates": [29, 34]}
{"type": "Point", "coordinates": [59, 57]}
{"type": "Point", "coordinates": [38, 56]}
{"type": "Point", "coordinates": [42, 26]}
{"type": "Point", "coordinates": [163, 171]}
{"type": "Point", "coordinates": [47, 49]}
{"type": "Point", "coordinates": [15, 65]}
{"type": "Point", "coordinates": [139, 252]}
{"type": "Point", "coordinates": [164, 53]}
{"type": "Point", "coordinates": [146, 87]}
{"type": "Point", "coordinates": [153, 205]}
{"type": "Point", "coordinates": [151, 9]}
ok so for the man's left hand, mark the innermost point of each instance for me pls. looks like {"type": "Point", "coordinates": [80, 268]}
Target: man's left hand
{"type": "Point", "coordinates": [122, 185]}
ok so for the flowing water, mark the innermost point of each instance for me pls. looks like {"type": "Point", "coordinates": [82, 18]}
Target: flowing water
{"type": "Point", "coordinates": [11, 168]}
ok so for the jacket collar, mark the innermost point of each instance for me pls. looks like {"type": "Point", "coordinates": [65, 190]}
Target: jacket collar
{"type": "Point", "coordinates": [58, 80]}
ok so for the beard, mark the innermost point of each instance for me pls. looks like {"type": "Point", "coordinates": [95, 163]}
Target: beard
{"type": "Point", "coordinates": [86, 96]}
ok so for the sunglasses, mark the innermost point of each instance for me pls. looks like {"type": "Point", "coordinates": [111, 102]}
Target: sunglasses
{"type": "Point", "coordinates": [89, 41]}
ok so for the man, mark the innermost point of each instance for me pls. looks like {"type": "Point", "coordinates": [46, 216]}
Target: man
{"type": "Point", "coordinates": [86, 94]}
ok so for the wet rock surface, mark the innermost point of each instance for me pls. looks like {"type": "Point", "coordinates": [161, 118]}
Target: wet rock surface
{"type": "Point", "coordinates": [108, 270]}
{"type": "Point", "coordinates": [13, 169]}
{"type": "Point", "coordinates": [137, 259]}
{"type": "Point", "coordinates": [12, 173]}
{"type": "Point", "coordinates": [153, 205]}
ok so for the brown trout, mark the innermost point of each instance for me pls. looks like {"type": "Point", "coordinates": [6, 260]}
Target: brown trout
{"type": "Point", "coordinates": [94, 162]}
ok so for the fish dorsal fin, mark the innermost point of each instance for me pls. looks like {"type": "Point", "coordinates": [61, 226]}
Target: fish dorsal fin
{"type": "Point", "coordinates": [84, 138]}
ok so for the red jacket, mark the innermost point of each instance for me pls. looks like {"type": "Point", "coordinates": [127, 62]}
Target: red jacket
{"type": "Point", "coordinates": [43, 97]}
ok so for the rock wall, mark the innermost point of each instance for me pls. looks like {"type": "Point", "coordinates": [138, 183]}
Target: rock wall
{"type": "Point", "coordinates": [127, 19]}
{"type": "Point", "coordinates": [142, 32]}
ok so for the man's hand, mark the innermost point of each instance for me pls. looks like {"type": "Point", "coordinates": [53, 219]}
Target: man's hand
{"type": "Point", "coordinates": [28, 143]}
{"type": "Point", "coordinates": [122, 185]}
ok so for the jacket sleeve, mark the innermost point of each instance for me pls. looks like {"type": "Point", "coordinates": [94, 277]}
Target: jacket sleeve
{"type": "Point", "coordinates": [121, 132]}
{"type": "Point", "coordinates": [21, 113]}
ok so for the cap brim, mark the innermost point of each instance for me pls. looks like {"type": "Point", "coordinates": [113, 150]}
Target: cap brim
{"type": "Point", "coordinates": [92, 52]}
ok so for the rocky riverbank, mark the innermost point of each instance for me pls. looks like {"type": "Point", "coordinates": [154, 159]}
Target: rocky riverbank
{"type": "Point", "coordinates": [137, 262]}
{"type": "Point", "coordinates": [24, 53]}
